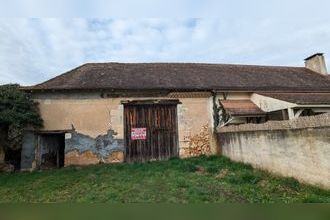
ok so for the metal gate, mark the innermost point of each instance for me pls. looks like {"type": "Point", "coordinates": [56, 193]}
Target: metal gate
{"type": "Point", "coordinates": [151, 131]}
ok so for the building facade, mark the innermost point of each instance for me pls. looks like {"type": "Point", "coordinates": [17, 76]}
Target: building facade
{"type": "Point", "coordinates": [111, 112]}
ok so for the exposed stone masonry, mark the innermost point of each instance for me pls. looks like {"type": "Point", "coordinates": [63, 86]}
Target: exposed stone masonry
{"type": "Point", "coordinates": [199, 144]}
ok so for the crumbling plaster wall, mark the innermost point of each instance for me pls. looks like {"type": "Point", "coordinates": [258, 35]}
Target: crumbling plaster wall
{"type": "Point", "coordinates": [195, 127]}
{"type": "Point", "coordinates": [81, 149]}
{"type": "Point", "coordinates": [93, 119]}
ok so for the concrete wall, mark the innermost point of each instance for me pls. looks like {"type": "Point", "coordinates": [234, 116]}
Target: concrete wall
{"type": "Point", "coordinates": [298, 148]}
{"type": "Point", "coordinates": [28, 151]}
{"type": "Point", "coordinates": [94, 120]}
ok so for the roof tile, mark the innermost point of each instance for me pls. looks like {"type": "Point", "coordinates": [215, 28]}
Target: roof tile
{"type": "Point", "coordinates": [187, 76]}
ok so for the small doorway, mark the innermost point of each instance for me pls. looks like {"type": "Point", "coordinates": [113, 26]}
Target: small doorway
{"type": "Point", "coordinates": [151, 130]}
{"type": "Point", "coordinates": [13, 157]}
{"type": "Point", "coordinates": [50, 150]}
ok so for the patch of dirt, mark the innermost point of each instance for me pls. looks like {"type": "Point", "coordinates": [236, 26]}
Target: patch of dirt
{"type": "Point", "coordinates": [222, 174]}
{"type": "Point", "coordinates": [234, 197]}
{"type": "Point", "coordinates": [200, 170]}
{"type": "Point", "coordinates": [263, 183]}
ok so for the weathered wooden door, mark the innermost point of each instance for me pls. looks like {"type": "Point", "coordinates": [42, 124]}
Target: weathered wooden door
{"type": "Point", "coordinates": [150, 131]}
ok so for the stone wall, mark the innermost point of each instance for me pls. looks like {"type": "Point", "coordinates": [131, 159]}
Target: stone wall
{"type": "Point", "coordinates": [299, 148]}
{"type": "Point", "coordinates": [198, 144]}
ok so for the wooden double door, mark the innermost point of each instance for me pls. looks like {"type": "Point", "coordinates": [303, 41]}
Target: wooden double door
{"type": "Point", "coordinates": [151, 131]}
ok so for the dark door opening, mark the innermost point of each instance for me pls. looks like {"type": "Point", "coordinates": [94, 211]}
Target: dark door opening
{"type": "Point", "coordinates": [10, 151]}
{"type": "Point", "coordinates": [50, 151]}
{"type": "Point", "coordinates": [13, 157]}
{"type": "Point", "coordinates": [151, 131]}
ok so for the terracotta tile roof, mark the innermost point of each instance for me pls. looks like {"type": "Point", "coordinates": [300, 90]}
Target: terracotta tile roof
{"type": "Point", "coordinates": [302, 98]}
{"type": "Point", "coordinates": [187, 76]}
{"type": "Point", "coordinates": [241, 108]}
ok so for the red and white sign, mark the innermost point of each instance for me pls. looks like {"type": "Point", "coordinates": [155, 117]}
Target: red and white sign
{"type": "Point", "coordinates": [139, 133]}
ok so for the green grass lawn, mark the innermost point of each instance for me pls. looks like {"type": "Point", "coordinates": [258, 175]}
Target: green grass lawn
{"type": "Point", "coordinates": [195, 180]}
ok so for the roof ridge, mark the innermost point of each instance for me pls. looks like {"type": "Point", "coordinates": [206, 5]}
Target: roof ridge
{"type": "Point", "coordinates": [196, 63]}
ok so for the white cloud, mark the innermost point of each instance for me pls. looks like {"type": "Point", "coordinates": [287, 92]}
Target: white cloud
{"type": "Point", "coordinates": [170, 8]}
{"type": "Point", "coordinates": [34, 50]}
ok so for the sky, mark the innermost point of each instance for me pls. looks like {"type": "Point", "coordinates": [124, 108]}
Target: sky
{"type": "Point", "coordinates": [40, 39]}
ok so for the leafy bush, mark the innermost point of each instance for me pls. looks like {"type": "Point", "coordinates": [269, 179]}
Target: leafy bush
{"type": "Point", "coordinates": [17, 112]}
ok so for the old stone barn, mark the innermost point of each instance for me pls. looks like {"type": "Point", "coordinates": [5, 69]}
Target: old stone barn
{"type": "Point", "coordinates": [125, 112]}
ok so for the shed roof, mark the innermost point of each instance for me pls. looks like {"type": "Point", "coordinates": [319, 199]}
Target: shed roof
{"type": "Point", "coordinates": [186, 76]}
{"type": "Point", "coordinates": [241, 108]}
{"type": "Point", "coordinates": [301, 98]}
